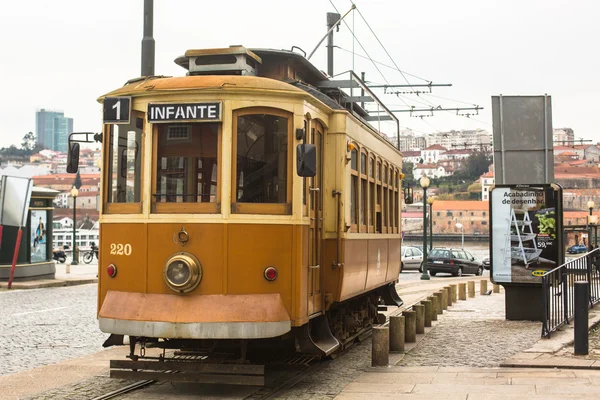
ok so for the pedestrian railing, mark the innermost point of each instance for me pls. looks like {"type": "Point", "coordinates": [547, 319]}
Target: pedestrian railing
{"type": "Point", "coordinates": [558, 289]}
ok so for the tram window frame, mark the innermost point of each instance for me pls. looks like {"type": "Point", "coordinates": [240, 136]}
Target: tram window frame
{"type": "Point", "coordinates": [238, 207]}
{"type": "Point", "coordinates": [363, 195]}
{"type": "Point", "coordinates": [371, 207]}
{"type": "Point", "coordinates": [385, 203]}
{"type": "Point", "coordinates": [305, 182]}
{"type": "Point", "coordinates": [186, 207]}
{"type": "Point", "coordinates": [354, 188]}
{"type": "Point", "coordinates": [397, 209]}
{"type": "Point", "coordinates": [109, 206]}
{"type": "Point", "coordinates": [378, 188]}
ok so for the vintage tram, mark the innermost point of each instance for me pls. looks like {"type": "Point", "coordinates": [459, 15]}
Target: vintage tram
{"type": "Point", "coordinates": [244, 202]}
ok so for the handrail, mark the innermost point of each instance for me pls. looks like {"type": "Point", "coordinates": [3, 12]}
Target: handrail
{"type": "Point", "coordinates": [558, 295]}
{"type": "Point", "coordinates": [340, 218]}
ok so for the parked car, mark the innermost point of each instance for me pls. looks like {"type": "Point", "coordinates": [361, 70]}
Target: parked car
{"type": "Point", "coordinates": [453, 261]}
{"type": "Point", "coordinates": [576, 249]}
{"type": "Point", "coordinates": [486, 263]}
{"type": "Point", "coordinates": [412, 258]}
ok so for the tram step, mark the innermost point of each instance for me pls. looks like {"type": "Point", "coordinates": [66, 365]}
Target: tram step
{"type": "Point", "coordinates": [177, 371]}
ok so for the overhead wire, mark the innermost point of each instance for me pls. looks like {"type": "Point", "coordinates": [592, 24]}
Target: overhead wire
{"type": "Point", "coordinates": [363, 48]}
{"type": "Point", "coordinates": [383, 64]}
{"type": "Point", "coordinates": [375, 63]}
{"type": "Point", "coordinates": [384, 48]}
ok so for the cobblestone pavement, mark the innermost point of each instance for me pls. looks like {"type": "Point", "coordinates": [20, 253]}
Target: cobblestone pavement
{"type": "Point", "coordinates": [45, 326]}
{"type": "Point", "coordinates": [473, 333]}
{"type": "Point", "coordinates": [84, 390]}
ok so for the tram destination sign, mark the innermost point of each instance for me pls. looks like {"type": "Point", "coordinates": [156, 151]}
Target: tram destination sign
{"type": "Point", "coordinates": [169, 112]}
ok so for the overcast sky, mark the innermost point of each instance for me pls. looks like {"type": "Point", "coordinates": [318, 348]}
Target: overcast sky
{"type": "Point", "coordinates": [64, 54]}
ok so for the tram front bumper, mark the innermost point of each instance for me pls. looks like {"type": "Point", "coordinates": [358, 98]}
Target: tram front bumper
{"type": "Point", "coordinates": [247, 316]}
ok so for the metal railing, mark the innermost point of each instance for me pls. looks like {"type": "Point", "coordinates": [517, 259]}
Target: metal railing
{"type": "Point", "coordinates": [558, 289]}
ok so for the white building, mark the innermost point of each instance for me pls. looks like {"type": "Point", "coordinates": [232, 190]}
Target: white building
{"type": "Point", "coordinates": [413, 157]}
{"type": "Point", "coordinates": [84, 237]}
{"type": "Point", "coordinates": [410, 141]}
{"type": "Point", "coordinates": [487, 181]}
{"type": "Point", "coordinates": [431, 154]}
{"type": "Point", "coordinates": [563, 136]}
{"type": "Point", "coordinates": [431, 170]}
{"type": "Point", "coordinates": [62, 200]}
{"type": "Point", "coordinates": [471, 139]}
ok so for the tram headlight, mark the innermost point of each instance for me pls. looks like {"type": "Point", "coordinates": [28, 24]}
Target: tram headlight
{"type": "Point", "coordinates": [182, 272]}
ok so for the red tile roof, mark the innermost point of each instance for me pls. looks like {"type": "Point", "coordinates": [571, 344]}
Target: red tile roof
{"type": "Point", "coordinates": [436, 147]}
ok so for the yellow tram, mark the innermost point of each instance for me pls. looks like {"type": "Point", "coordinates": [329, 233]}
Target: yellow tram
{"type": "Point", "coordinates": [242, 203]}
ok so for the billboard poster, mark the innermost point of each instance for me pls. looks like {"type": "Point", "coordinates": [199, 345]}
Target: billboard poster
{"type": "Point", "coordinates": [526, 226]}
{"type": "Point", "coordinates": [38, 236]}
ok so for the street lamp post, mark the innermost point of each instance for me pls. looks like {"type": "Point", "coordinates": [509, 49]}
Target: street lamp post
{"type": "Point", "coordinates": [430, 202]}
{"type": "Point", "coordinates": [462, 231]}
{"type": "Point", "coordinates": [591, 221]}
{"type": "Point", "coordinates": [424, 182]}
{"type": "Point", "coordinates": [74, 194]}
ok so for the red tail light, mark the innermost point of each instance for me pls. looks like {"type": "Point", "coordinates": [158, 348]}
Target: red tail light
{"type": "Point", "coordinates": [270, 273]}
{"type": "Point", "coordinates": [451, 262]}
{"type": "Point", "coordinates": [112, 270]}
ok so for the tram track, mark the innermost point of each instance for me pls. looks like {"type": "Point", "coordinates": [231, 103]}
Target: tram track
{"type": "Point", "coordinates": [124, 390]}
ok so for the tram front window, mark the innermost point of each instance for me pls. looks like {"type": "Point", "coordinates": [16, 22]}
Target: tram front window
{"type": "Point", "coordinates": [187, 162]}
{"type": "Point", "coordinates": [125, 146]}
{"type": "Point", "coordinates": [262, 159]}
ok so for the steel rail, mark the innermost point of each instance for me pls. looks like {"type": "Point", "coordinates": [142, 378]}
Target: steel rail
{"type": "Point", "coordinates": [123, 390]}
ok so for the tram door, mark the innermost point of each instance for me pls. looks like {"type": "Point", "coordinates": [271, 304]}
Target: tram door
{"type": "Point", "coordinates": [315, 196]}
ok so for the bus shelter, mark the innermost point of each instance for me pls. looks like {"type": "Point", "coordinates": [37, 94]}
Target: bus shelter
{"type": "Point", "coordinates": [35, 252]}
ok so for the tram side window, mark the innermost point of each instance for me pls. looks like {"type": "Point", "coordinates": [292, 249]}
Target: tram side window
{"type": "Point", "coordinates": [363, 192]}
{"type": "Point", "coordinates": [262, 159]}
{"type": "Point", "coordinates": [353, 189]}
{"type": "Point", "coordinates": [187, 163]}
{"type": "Point", "coordinates": [125, 147]}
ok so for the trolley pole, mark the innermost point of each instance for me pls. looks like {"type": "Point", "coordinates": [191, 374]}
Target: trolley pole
{"type": "Point", "coordinates": [148, 39]}
{"type": "Point", "coordinates": [332, 19]}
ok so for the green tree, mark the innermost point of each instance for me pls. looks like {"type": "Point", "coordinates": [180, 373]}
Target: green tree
{"type": "Point", "coordinates": [407, 170]}
{"type": "Point", "coordinates": [474, 188]}
{"type": "Point", "coordinates": [29, 142]}
{"type": "Point", "coordinates": [476, 165]}
{"type": "Point", "coordinates": [77, 182]}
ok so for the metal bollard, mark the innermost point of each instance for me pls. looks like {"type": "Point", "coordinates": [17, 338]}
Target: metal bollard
{"type": "Point", "coordinates": [410, 326]}
{"type": "Point", "coordinates": [419, 309]}
{"type": "Point", "coordinates": [453, 293]}
{"type": "Point", "coordinates": [397, 333]}
{"type": "Point", "coordinates": [448, 290]}
{"type": "Point", "coordinates": [68, 268]}
{"type": "Point", "coordinates": [482, 286]}
{"type": "Point", "coordinates": [581, 318]}
{"type": "Point", "coordinates": [380, 350]}
{"type": "Point", "coordinates": [496, 288]}
{"type": "Point", "coordinates": [427, 305]}
{"type": "Point", "coordinates": [440, 307]}
{"type": "Point", "coordinates": [444, 299]}
{"type": "Point", "coordinates": [434, 307]}
{"type": "Point", "coordinates": [471, 286]}
{"type": "Point", "coordinates": [462, 291]}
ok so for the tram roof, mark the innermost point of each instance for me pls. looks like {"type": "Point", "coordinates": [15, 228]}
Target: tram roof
{"type": "Point", "coordinates": [154, 84]}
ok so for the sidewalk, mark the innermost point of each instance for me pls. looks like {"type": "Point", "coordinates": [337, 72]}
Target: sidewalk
{"type": "Point", "coordinates": [77, 275]}
{"type": "Point", "coordinates": [456, 360]}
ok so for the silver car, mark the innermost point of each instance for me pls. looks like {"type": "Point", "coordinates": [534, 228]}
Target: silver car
{"type": "Point", "coordinates": [412, 258]}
